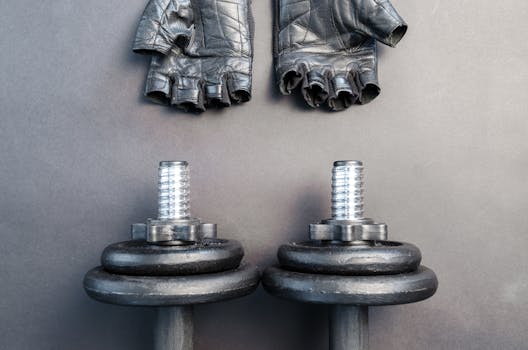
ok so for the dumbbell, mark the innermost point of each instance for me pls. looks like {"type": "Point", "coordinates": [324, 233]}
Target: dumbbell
{"type": "Point", "coordinates": [172, 262]}
{"type": "Point", "coordinates": [349, 264]}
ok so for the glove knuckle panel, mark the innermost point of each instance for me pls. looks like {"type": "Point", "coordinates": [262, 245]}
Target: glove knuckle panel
{"type": "Point", "coordinates": [294, 19]}
{"type": "Point", "coordinates": [225, 29]}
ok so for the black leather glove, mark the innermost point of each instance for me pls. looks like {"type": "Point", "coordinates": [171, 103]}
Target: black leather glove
{"type": "Point", "coordinates": [202, 51]}
{"type": "Point", "coordinates": [328, 47]}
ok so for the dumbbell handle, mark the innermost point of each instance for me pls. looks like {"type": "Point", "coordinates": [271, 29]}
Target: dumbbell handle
{"type": "Point", "coordinates": [174, 328]}
{"type": "Point", "coordinates": [348, 327]}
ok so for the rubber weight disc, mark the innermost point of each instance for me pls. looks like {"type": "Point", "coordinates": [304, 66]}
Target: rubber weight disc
{"type": "Point", "coordinates": [356, 290]}
{"type": "Point", "coordinates": [170, 290]}
{"type": "Point", "coordinates": [376, 258]}
{"type": "Point", "coordinates": [139, 258]}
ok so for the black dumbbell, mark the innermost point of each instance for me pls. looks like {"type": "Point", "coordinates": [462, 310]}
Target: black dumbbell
{"type": "Point", "coordinates": [349, 264]}
{"type": "Point", "coordinates": [172, 262]}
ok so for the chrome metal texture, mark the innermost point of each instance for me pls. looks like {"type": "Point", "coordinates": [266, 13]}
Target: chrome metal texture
{"type": "Point", "coordinates": [347, 190]}
{"type": "Point", "coordinates": [349, 327]}
{"type": "Point", "coordinates": [170, 290]}
{"type": "Point", "coordinates": [327, 48]}
{"type": "Point", "coordinates": [354, 290]}
{"type": "Point", "coordinates": [174, 225]}
{"type": "Point", "coordinates": [174, 190]}
{"type": "Point", "coordinates": [139, 258]}
{"type": "Point", "coordinates": [337, 258]}
{"type": "Point", "coordinates": [202, 52]}
{"type": "Point", "coordinates": [174, 328]}
{"type": "Point", "coordinates": [347, 223]}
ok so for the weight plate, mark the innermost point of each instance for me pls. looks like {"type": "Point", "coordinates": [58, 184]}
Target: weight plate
{"type": "Point", "coordinates": [140, 258]}
{"type": "Point", "coordinates": [374, 258]}
{"type": "Point", "coordinates": [356, 290]}
{"type": "Point", "coordinates": [170, 290]}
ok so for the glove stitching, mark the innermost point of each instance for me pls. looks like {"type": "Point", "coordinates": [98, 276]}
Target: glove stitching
{"type": "Point", "coordinates": [164, 17]}
{"type": "Point", "coordinates": [310, 18]}
{"type": "Point", "coordinates": [217, 15]}
{"type": "Point", "coordinates": [296, 24]}
{"type": "Point", "coordinates": [290, 35]}
{"type": "Point", "coordinates": [292, 21]}
{"type": "Point", "coordinates": [192, 49]}
{"type": "Point", "coordinates": [239, 29]}
{"type": "Point", "coordinates": [336, 31]}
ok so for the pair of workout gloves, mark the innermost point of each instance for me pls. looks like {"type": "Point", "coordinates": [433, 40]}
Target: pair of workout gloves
{"type": "Point", "coordinates": [202, 50]}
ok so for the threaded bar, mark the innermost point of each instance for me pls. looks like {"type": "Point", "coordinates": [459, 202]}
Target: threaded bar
{"type": "Point", "coordinates": [173, 190]}
{"type": "Point", "coordinates": [347, 190]}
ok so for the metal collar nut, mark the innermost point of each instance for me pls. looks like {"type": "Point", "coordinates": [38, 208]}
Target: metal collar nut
{"type": "Point", "coordinates": [184, 230]}
{"type": "Point", "coordinates": [347, 231]}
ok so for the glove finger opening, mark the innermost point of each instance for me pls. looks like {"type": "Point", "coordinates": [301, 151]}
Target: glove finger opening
{"type": "Point", "coordinates": [158, 88]}
{"type": "Point", "coordinates": [188, 94]}
{"type": "Point", "coordinates": [397, 34]}
{"type": "Point", "coordinates": [315, 88]}
{"type": "Point", "coordinates": [239, 87]}
{"type": "Point", "coordinates": [240, 96]}
{"type": "Point", "coordinates": [369, 88]}
{"type": "Point", "coordinates": [158, 97]}
{"type": "Point", "coordinates": [368, 93]}
{"type": "Point", "coordinates": [344, 93]}
{"type": "Point", "coordinates": [217, 95]}
{"type": "Point", "coordinates": [290, 80]}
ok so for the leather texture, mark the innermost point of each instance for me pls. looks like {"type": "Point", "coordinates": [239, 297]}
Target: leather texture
{"type": "Point", "coordinates": [327, 48]}
{"type": "Point", "coordinates": [202, 52]}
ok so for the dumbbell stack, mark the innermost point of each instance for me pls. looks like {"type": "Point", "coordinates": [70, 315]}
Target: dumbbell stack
{"type": "Point", "coordinates": [172, 262]}
{"type": "Point", "coordinates": [349, 264]}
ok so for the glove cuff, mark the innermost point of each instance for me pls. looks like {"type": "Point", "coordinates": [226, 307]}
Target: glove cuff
{"type": "Point", "coordinates": [385, 24]}
{"type": "Point", "coordinates": [396, 31]}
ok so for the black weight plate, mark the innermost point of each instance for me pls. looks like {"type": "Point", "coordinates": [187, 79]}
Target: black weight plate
{"type": "Point", "coordinates": [170, 290]}
{"type": "Point", "coordinates": [374, 258]}
{"type": "Point", "coordinates": [139, 258]}
{"type": "Point", "coordinates": [355, 290]}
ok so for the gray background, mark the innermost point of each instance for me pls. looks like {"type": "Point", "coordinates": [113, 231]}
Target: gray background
{"type": "Point", "coordinates": [444, 146]}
